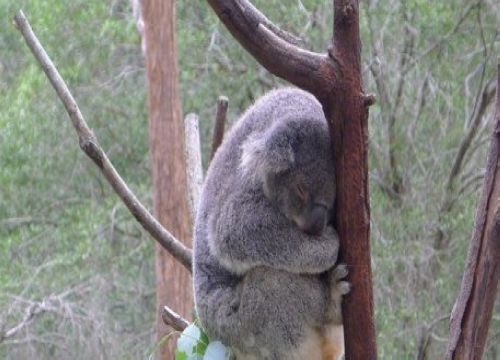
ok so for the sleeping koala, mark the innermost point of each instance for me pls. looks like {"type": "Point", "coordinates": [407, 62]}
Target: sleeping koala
{"type": "Point", "coordinates": [264, 253]}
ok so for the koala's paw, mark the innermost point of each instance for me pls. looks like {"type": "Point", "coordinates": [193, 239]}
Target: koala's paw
{"type": "Point", "coordinates": [343, 287]}
{"type": "Point", "coordinates": [340, 272]}
{"type": "Point", "coordinates": [337, 285]}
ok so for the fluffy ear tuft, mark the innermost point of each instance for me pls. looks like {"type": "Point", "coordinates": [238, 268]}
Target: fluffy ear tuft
{"type": "Point", "coordinates": [267, 153]}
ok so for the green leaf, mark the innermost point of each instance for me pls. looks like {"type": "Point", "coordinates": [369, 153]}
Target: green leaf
{"type": "Point", "coordinates": [180, 355]}
{"type": "Point", "coordinates": [202, 343]}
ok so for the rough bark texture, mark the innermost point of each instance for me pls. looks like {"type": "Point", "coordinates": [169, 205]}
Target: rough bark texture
{"type": "Point", "coordinates": [173, 283]}
{"type": "Point", "coordinates": [471, 315]}
{"type": "Point", "coordinates": [335, 79]}
{"type": "Point", "coordinates": [347, 110]}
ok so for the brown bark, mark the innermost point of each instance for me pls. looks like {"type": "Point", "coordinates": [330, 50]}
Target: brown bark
{"type": "Point", "coordinates": [335, 79]}
{"type": "Point", "coordinates": [347, 111]}
{"type": "Point", "coordinates": [305, 69]}
{"type": "Point", "coordinates": [166, 136]}
{"type": "Point", "coordinates": [472, 312]}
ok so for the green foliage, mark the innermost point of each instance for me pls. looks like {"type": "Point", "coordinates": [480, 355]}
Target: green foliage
{"type": "Point", "coordinates": [64, 233]}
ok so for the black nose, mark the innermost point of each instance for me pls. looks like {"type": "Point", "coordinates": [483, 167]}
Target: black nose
{"type": "Point", "coordinates": [316, 221]}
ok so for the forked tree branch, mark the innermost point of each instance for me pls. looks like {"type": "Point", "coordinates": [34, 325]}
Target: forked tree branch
{"type": "Point", "coordinates": [32, 311]}
{"type": "Point", "coordinates": [473, 309]}
{"type": "Point", "coordinates": [305, 69]}
{"type": "Point", "coordinates": [90, 145]}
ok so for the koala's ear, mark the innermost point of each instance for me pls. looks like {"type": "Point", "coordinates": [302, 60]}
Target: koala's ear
{"type": "Point", "coordinates": [266, 153]}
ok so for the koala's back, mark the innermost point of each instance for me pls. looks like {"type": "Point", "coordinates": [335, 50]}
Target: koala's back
{"type": "Point", "coordinates": [224, 174]}
{"type": "Point", "coordinates": [224, 177]}
{"type": "Point", "coordinates": [274, 106]}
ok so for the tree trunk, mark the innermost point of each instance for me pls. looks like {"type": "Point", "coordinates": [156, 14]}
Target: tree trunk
{"type": "Point", "coordinates": [173, 281]}
{"type": "Point", "coordinates": [471, 315]}
{"type": "Point", "coordinates": [346, 108]}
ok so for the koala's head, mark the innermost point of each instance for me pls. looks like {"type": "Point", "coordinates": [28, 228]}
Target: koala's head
{"type": "Point", "coordinates": [293, 162]}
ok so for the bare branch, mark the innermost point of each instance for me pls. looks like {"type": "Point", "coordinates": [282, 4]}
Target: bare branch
{"type": "Point", "coordinates": [171, 318]}
{"type": "Point", "coordinates": [483, 100]}
{"type": "Point", "coordinates": [220, 121]}
{"type": "Point", "coordinates": [308, 70]}
{"type": "Point", "coordinates": [139, 23]}
{"type": "Point", "coordinates": [194, 170]}
{"type": "Point", "coordinates": [292, 39]}
{"type": "Point", "coordinates": [30, 313]}
{"type": "Point", "coordinates": [90, 145]}
{"type": "Point", "coordinates": [425, 337]}
{"type": "Point", "coordinates": [53, 303]}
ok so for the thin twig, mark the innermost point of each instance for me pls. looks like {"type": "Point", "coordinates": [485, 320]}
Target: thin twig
{"type": "Point", "coordinates": [91, 147]}
{"type": "Point", "coordinates": [173, 319]}
{"type": "Point", "coordinates": [220, 122]}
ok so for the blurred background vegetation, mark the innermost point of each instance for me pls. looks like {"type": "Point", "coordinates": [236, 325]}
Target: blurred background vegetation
{"type": "Point", "coordinates": [68, 247]}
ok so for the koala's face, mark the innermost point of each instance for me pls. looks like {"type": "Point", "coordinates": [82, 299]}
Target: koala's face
{"type": "Point", "coordinates": [294, 163]}
{"type": "Point", "coordinates": [304, 194]}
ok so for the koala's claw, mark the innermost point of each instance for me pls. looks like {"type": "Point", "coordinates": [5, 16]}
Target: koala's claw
{"type": "Point", "coordinates": [340, 272]}
{"type": "Point", "coordinates": [338, 286]}
{"type": "Point", "coordinates": [344, 287]}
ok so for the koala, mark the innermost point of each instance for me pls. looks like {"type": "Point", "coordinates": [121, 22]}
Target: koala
{"type": "Point", "coordinates": [264, 252]}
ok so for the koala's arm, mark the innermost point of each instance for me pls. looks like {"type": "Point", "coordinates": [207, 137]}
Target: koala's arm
{"type": "Point", "coordinates": [246, 235]}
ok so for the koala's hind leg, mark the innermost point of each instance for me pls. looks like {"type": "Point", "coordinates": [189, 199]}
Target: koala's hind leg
{"type": "Point", "coordinates": [332, 342]}
{"type": "Point", "coordinates": [278, 312]}
{"type": "Point", "coordinates": [338, 288]}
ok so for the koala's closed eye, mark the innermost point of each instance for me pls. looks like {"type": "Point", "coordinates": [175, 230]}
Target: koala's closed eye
{"type": "Point", "coordinates": [300, 191]}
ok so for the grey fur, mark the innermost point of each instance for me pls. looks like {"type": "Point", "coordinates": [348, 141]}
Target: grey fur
{"type": "Point", "coordinates": [261, 283]}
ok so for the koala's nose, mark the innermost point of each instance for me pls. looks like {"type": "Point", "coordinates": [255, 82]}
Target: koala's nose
{"type": "Point", "coordinates": [317, 220]}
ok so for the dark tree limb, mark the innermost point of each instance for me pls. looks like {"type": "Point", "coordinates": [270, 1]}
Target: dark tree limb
{"type": "Point", "coordinates": [347, 111]}
{"type": "Point", "coordinates": [473, 309]}
{"type": "Point", "coordinates": [305, 69]}
{"type": "Point", "coordinates": [220, 122]}
{"type": "Point", "coordinates": [90, 145]}
{"type": "Point", "coordinates": [335, 79]}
